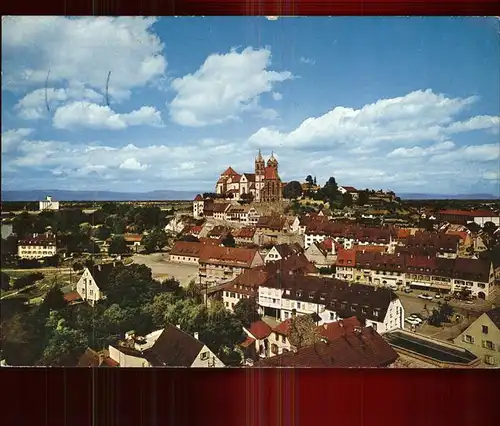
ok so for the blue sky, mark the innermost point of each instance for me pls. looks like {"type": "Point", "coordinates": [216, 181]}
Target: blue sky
{"type": "Point", "coordinates": [408, 104]}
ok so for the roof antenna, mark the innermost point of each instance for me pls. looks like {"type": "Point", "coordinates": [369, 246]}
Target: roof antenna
{"type": "Point", "coordinates": [107, 88]}
{"type": "Point", "coordinates": [46, 97]}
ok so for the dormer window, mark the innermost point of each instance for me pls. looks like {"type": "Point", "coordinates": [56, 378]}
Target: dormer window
{"type": "Point", "coordinates": [311, 295]}
{"type": "Point", "coordinates": [287, 292]}
{"type": "Point", "coordinates": [322, 296]}
{"type": "Point", "coordinates": [299, 293]}
{"type": "Point", "coordinates": [376, 313]}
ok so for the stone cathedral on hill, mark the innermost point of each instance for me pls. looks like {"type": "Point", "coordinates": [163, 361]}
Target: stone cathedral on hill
{"type": "Point", "coordinates": [264, 184]}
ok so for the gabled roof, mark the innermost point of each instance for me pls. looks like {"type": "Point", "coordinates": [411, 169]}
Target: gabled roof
{"type": "Point", "coordinates": [91, 358]}
{"type": "Point", "coordinates": [173, 348]}
{"type": "Point", "coordinates": [274, 222]}
{"type": "Point", "coordinates": [494, 315]}
{"type": "Point", "coordinates": [198, 198]}
{"type": "Point", "coordinates": [286, 250]}
{"type": "Point", "coordinates": [336, 329]}
{"type": "Point", "coordinates": [473, 213]}
{"type": "Point", "coordinates": [364, 348]}
{"type": "Point", "coordinates": [101, 273]}
{"type": "Point", "coordinates": [230, 172]}
{"type": "Point", "coordinates": [271, 173]}
{"type": "Point", "coordinates": [349, 188]}
{"type": "Point", "coordinates": [186, 248]}
{"type": "Point", "coordinates": [231, 256]}
{"type": "Point", "coordinates": [259, 329]}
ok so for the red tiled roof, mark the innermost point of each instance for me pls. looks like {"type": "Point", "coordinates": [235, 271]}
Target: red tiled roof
{"type": "Point", "coordinates": [346, 257]}
{"type": "Point", "coordinates": [349, 188]}
{"type": "Point", "coordinates": [196, 229]}
{"type": "Point", "coordinates": [248, 341]}
{"type": "Point", "coordinates": [211, 241]}
{"type": "Point", "coordinates": [72, 296]}
{"type": "Point", "coordinates": [186, 248]}
{"type": "Point", "coordinates": [244, 233]}
{"type": "Point", "coordinates": [283, 327]}
{"type": "Point", "coordinates": [369, 247]}
{"type": "Point", "coordinates": [276, 223]}
{"type": "Point", "coordinates": [403, 233]}
{"type": "Point", "coordinates": [270, 173]}
{"type": "Point", "coordinates": [234, 256]}
{"type": "Point", "coordinates": [474, 213]}
{"type": "Point", "coordinates": [364, 348]}
{"type": "Point", "coordinates": [133, 237]}
{"type": "Point", "coordinates": [334, 330]}
{"type": "Point", "coordinates": [260, 330]}
{"type": "Point", "coordinates": [198, 198]}
{"type": "Point", "coordinates": [230, 172]}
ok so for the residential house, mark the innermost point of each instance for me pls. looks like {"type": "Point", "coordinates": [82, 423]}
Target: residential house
{"type": "Point", "coordinates": [194, 230]}
{"type": "Point", "coordinates": [268, 228]}
{"type": "Point", "coordinates": [49, 204]}
{"type": "Point", "coordinates": [186, 252]}
{"type": "Point", "coordinates": [286, 294]}
{"type": "Point", "coordinates": [219, 264]}
{"type": "Point", "coordinates": [244, 235]}
{"type": "Point", "coordinates": [482, 338]}
{"type": "Point", "coordinates": [256, 345]}
{"type": "Point", "coordinates": [133, 241]}
{"type": "Point", "coordinates": [37, 246]}
{"type": "Point", "coordinates": [175, 226]}
{"type": "Point", "coordinates": [219, 210]}
{"type": "Point", "coordinates": [363, 347]}
{"type": "Point", "coordinates": [93, 282]}
{"type": "Point", "coordinates": [349, 190]}
{"type": "Point", "coordinates": [444, 245]}
{"type": "Point", "coordinates": [91, 358]}
{"type": "Point", "coordinates": [282, 251]}
{"type": "Point", "coordinates": [345, 264]}
{"type": "Point", "coordinates": [168, 347]}
{"type": "Point", "coordinates": [219, 232]}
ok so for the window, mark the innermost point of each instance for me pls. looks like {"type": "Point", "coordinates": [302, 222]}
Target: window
{"type": "Point", "coordinates": [332, 316]}
{"type": "Point", "coordinates": [298, 305]}
{"type": "Point", "coordinates": [283, 339]}
{"type": "Point", "coordinates": [488, 345]}
{"type": "Point", "coordinates": [286, 315]}
{"type": "Point", "coordinates": [374, 325]}
{"type": "Point", "coordinates": [488, 359]}
{"type": "Point", "coordinates": [91, 292]}
{"type": "Point", "coordinates": [204, 356]}
{"type": "Point", "coordinates": [274, 349]}
{"type": "Point", "coordinates": [485, 329]}
{"type": "Point", "coordinates": [468, 339]}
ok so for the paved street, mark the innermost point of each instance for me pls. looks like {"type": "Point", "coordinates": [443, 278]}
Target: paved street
{"type": "Point", "coordinates": [162, 268]}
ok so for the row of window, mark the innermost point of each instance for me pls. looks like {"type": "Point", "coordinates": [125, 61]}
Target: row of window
{"type": "Point", "coordinates": [487, 344]}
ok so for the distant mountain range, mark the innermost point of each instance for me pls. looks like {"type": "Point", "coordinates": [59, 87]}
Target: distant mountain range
{"type": "Point", "coordinates": [165, 195]}
{"type": "Point", "coordinates": [62, 195]}
{"type": "Point", "coordinates": [416, 196]}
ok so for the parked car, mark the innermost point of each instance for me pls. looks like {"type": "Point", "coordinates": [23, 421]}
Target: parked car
{"type": "Point", "coordinates": [412, 321]}
{"type": "Point", "coordinates": [437, 296]}
{"type": "Point", "coordinates": [408, 290]}
{"type": "Point", "coordinates": [420, 317]}
{"type": "Point", "coordinates": [425, 296]}
{"type": "Point", "coordinates": [416, 319]}
{"type": "Point", "coordinates": [469, 302]}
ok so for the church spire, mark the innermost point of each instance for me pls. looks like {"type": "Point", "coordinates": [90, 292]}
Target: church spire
{"type": "Point", "coordinates": [259, 156]}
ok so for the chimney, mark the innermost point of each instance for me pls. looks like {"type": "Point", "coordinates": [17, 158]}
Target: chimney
{"type": "Point", "coordinates": [196, 335]}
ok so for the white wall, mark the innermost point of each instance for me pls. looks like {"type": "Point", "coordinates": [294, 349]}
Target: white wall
{"type": "Point", "coordinates": [87, 288]}
{"type": "Point", "coordinates": [126, 360]}
{"type": "Point", "coordinates": [206, 358]}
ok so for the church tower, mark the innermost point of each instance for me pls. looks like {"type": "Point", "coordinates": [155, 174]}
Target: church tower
{"type": "Point", "coordinates": [260, 166]}
{"type": "Point", "coordinates": [272, 162]}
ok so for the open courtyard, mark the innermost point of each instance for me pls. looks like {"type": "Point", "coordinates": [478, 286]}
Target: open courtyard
{"type": "Point", "coordinates": [162, 268]}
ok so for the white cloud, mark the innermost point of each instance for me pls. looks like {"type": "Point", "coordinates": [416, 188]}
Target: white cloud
{"type": "Point", "coordinates": [133, 164]}
{"type": "Point", "coordinates": [277, 96]}
{"type": "Point", "coordinates": [418, 151]}
{"type": "Point", "coordinates": [12, 138]}
{"type": "Point", "coordinates": [34, 105]}
{"type": "Point", "coordinates": [416, 117]}
{"type": "Point", "coordinates": [307, 61]}
{"type": "Point", "coordinates": [88, 115]}
{"type": "Point", "coordinates": [223, 87]}
{"type": "Point", "coordinates": [491, 175]}
{"type": "Point", "coordinates": [82, 50]}
{"type": "Point", "coordinates": [469, 154]}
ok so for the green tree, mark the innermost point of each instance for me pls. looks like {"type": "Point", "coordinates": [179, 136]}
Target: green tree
{"type": "Point", "coordinates": [64, 344]}
{"type": "Point", "coordinates": [303, 331]}
{"type": "Point", "coordinates": [130, 286]}
{"type": "Point", "coordinates": [5, 281]}
{"type": "Point", "coordinates": [246, 311]}
{"type": "Point", "coordinates": [118, 225]}
{"type": "Point", "coordinates": [346, 200]}
{"type": "Point", "coordinates": [446, 311]}
{"type": "Point", "coordinates": [154, 241]}
{"type": "Point", "coordinates": [103, 232]}
{"type": "Point", "coordinates": [54, 299]}
{"type": "Point", "coordinates": [489, 228]}
{"type": "Point", "coordinates": [228, 241]}
{"type": "Point", "coordinates": [292, 190]}
{"type": "Point", "coordinates": [77, 266]}
{"type": "Point", "coordinates": [158, 308]}
{"type": "Point", "coordinates": [363, 198]}
{"type": "Point", "coordinates": [118, 245]}
{"type": "Point", "coordinates": [331, 191]}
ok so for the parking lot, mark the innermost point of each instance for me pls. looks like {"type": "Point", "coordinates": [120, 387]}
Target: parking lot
{"type": "Point", "coordinates": [162, 268]}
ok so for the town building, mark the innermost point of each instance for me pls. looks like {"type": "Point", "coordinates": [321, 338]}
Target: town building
{"type": "Point", "coordinates": [168, 347]}
{"type": "Point", "coordinates": [362, 347]}
{"type": "Point", "coordinates": [482, 338]}
{"type": "Point", "coordinates": [218, 264]}
{"type": "Point", "coordinates": [331, 299]}
{"type": "Point", "coordinates": [263, 185]}
{"type": "Point", "coordinates": [282, 252]}
{"type": "Point", "coordinates": [48, 204]}
{"type": "Point", "coordinates": [244, 236]}
{"type": "Point", "coordinates": [349, 190]}
{"type": "Point", "coordinates": [93, 282]}
{"type": "Point", "coordinates": [133, 241]}
{"type": "Point", "coordinates": [186, 252]}
{"type": "Point", "coordinates": [256, 345]}
{"type": "Point", "coordinates": [37, 246]}
{"type": "Point", "coordinates": [464, 216]}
